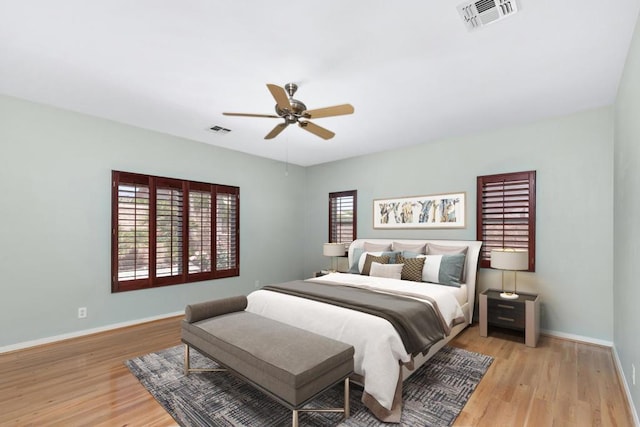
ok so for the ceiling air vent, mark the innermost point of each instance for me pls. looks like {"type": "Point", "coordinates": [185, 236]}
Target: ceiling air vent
{"type": "Point", "coordinates": [219, 130]}
{"type": "Point", "coordinates": [479, 13]}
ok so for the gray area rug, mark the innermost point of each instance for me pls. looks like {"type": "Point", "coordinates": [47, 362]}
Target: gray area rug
{"type": "Point", "coordinates": [433, 396]}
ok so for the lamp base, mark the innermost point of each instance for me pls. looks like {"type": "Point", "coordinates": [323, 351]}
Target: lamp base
{"type": "Point", "coordinates": [509, 295]}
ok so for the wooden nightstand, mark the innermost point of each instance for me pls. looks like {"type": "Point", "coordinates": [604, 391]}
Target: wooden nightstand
{"type": "Point", "coordinates": [521, 314]}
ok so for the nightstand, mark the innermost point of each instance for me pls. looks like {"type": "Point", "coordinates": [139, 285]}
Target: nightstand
{"type": "Point", "coordinates": [521, 314]}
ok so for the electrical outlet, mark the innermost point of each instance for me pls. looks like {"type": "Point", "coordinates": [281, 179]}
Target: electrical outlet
{"type": "Point", "coordinates": [257, 284]}
{"type": "Point", "coordinates": [633, 374]}
{"type": "Point", "coordinates": [82, 312]}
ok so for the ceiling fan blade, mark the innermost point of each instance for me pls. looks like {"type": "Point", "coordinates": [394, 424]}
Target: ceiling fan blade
{"type": "Point", "coordinates": [252, 115]}
{"type": "Point", "coordinates": [279, 94]}
{"type": "Point", "coordinates": [317, 130]}
{"type": "Point", "coordinates": [336, 110]}
{"type": "Point", "coordinates": [276, 131]}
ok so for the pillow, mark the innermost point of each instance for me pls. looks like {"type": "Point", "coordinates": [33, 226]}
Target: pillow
{"type": "Point", "coordinates": [445, 250]}
{"type": "Point", "coordinates": [376, 247]}
{"type": "Point", "coordinates": [412, 269]}
{"type": "Point", "coordinates": [358, 263]}
{"type": "Point", "coordinates": [382, 259]}
{"type": "Point", "coordinates": [409, 254]}
{"type": "Point", "coordinates": [443, 269]}
{"type": "Point", "coordinates": [357, 253]}
{"type": "Point", "coordinates": [390, 271]}
{"type": "Point", "coordinates": [411, 247]}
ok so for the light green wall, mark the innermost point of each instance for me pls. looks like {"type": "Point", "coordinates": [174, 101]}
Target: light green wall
{"type": "Point", "coordinates": [626, 276]}
{"type": "Point", "coordinates": [573, 158]}
{"type": "Point", "coordinates": [56, 206]}
{"type": "Point", "coordinates": [55, 175]}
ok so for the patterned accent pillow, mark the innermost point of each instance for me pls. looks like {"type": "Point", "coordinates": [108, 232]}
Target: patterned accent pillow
{"type": "Point", "coordinates": [412, 269]}
{"type": "Point", "coordinates": [366, 268]}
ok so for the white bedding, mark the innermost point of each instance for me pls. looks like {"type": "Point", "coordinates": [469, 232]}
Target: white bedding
{"type": "Point", "coordinates": [378, 347]}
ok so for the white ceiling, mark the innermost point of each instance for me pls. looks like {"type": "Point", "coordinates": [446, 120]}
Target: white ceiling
{"type": "Point", "coordinates": [410, 68]}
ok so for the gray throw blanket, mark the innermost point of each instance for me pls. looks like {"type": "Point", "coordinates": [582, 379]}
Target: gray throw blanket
{"type": "Point", "coordinates": [417, 322]}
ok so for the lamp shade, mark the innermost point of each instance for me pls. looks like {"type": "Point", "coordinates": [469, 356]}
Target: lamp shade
{"type": "Point", "coordinates": [510, 259]}
{"type": "Point", "coordinates": [333, 249]}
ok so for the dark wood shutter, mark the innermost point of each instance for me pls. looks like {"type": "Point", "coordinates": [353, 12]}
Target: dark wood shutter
{"type": "Point", "coordinates": [227, 231]}
{"type": "Point", "coordinates": [131, 219]}
{"type": "Point", "coordinates": [200, 226]}
{"type": "Point", "coordinates": [507, 213]}
{"type": "Point", "coordinates": [343, 217]}
{"type": "Point", "coordinates": [169, 231]}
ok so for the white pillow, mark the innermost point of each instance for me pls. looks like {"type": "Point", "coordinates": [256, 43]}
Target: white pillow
{"type": "Point", "coordinates": [390, 271]}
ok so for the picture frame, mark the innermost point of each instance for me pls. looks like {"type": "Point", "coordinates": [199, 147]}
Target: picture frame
{"type": "Point", "coordinates": [446, 210]}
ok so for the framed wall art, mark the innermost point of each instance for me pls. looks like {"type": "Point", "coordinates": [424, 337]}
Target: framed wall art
{"type": "Point", "coordinates": [433, 211]}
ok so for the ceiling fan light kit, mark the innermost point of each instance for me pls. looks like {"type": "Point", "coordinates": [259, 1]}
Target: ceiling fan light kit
{"type": "Point", "coordinates": [294, 111]}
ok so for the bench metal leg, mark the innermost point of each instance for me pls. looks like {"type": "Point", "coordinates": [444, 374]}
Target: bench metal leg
{"type": "Point", "coordinates": [346, 398]}
{"type": "Point", "coordinates": [345, 409]}
{"type": "Point", "coordinates": [188, 368]}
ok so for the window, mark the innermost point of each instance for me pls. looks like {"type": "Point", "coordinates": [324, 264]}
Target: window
{"type": "Point", "coordinates": [507, 214]}
{"type": "Point", "coordinates": [342, 217]}
{"type": "Point", "coordinates": [169, 231]}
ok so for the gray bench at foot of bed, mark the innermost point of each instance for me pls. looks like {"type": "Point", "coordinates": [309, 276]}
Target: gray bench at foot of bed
{"type": "Point", "coordinates": [287, 363]}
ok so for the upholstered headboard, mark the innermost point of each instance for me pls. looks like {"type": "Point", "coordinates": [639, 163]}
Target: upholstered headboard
{"type": "Point", "coordinates": [471, 261]}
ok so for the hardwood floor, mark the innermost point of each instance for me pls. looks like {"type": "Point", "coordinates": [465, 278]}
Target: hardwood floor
{"type": "Point", "coordinates": [83, 382]}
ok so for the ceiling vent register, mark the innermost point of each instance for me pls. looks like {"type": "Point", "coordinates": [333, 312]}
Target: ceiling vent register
{"type": "Point", "coordinates": [479, 13]}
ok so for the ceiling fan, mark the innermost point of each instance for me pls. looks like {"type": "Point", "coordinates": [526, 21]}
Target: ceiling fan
{"type": "Point", "coordinates": [294, 111]}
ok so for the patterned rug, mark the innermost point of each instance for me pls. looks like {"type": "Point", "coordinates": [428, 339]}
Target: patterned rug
{"type": "Point", "coordinates": [432, 396]}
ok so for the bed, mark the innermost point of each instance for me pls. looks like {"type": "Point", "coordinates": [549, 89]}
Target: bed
{"type": "Point", "coordinates": [381, 357]}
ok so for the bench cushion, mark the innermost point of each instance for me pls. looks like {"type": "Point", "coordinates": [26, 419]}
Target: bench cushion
{"type": "Point", "coordinates": [291, 363]}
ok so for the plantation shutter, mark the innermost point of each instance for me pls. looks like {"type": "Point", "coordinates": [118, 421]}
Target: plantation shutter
{"type": "Point", "coordinates": [227, 231]}
{"type": "Point", "coordinates": [169, 230]}
{"type": "Point", "coordinates": [131, 230]}
{"type": "Point", "coordinates": [342, 217]}
{"type": "Point", "coordinates": [506, 214]}
{"type": "Point", "coordinates": [200, 222]}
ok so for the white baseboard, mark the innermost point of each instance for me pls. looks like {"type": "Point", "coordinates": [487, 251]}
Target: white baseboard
{"type": "Point", "coordinates": [627, 390]}
{"type": "Point", "coordinates": [49, 340]}
{"type": "Point", "coordinates": [574, 337]}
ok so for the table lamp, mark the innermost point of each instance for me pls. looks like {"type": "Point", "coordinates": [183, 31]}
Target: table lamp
{"type": "Point", "coordinates": [507, 259]}
{"type": "Point", "coordinates": [333, 250]}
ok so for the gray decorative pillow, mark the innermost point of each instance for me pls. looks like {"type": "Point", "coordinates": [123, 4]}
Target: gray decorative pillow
{"type": "Point", "coordinates": [443, 269]}
{"type": "Point", "coordinates": [412, 269]}
{"type": "Point", "coordinates": [445, 250]}
{"type": "Point", "coordinates": [417, 248]}
{"type": "Point", "coordinates": [382, 259]}
{"type": "Point", "coordinates": [376, 247]}
{"type": "Point", "coordinates": [357, 253]}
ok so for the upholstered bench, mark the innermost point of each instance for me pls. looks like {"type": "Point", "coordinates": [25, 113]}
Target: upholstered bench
{"type": "Point", "coordinates": [287, 363]}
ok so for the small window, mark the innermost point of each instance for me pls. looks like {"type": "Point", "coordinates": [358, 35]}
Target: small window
{"type": "Point", "coordinates": [507, 214]}
{"type": "Point", "coordinates": [342, 217]}
{"type": "Point", "coordinates": [169, 231]}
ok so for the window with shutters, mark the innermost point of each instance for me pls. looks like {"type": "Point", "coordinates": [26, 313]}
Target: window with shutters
{"type": "Point", "coordinates": [507, 214]}
{"type": "Point", "coordinates": [343, 216]}
{"type": "Point", "coordinates": [169, 231]}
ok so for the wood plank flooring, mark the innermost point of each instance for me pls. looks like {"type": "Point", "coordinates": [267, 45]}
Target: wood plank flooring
{"type": "Point", "coordinates": [83, 382]}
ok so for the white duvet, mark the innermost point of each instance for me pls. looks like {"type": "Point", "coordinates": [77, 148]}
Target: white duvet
{"type": "Point", "coordinates": [378, 347]}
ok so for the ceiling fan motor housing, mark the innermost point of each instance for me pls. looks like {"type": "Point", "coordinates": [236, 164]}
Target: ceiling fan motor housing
{"type": "Point", "coordinates": [297, 108]}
